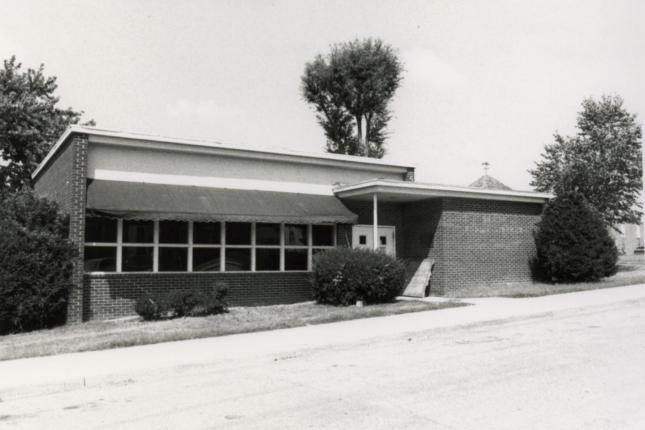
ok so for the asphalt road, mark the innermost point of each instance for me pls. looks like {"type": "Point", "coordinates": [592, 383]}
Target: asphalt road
{"type": "Point", "coordinates": [567, 369]}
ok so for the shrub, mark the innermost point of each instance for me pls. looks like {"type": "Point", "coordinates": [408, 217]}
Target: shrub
{"type": "Point", "coordinates": [182, 302]}
{"type": "Point", "coordinates": [344, 275]}
{"type": "Point", "coordinates": [573, 243]}
{"type": "Point", "coordinates": [147, 306]}
{"type": "Point", "coordinates": [35, 263]}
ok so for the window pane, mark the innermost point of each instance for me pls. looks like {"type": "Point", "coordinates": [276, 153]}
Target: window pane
{"type": "Point", "coordinates": [206, 260]}
{"type": "Point", "coordinates": [173, 259]}
{"type": "Point", "coordinates": [267, 234]}
{"type": "Point", "coordinates": [173, 232]}
{"type": "Point", "coordinates": [238, 259]}
{"type": "Point", "coordinates": [295, 259]}
{"type": "Point", "coordinates": [267, 259]}
{"type": "Point", "coordinates": [100, 229]}
{"type": "Point", "coordinates": [138, 231]}
{"type": "Point", "coordinates": [238, 233]}
{"type": "Point", "coordinates": [206, 233]}
{"type": "Point", "coordinates": [100, 258]}
{"type": "Point", "coordinates": [322, 235]}
{"type": "Point", "coordinates": [137, 259]}
{"type": "Point", "coordinates": [295, 234]}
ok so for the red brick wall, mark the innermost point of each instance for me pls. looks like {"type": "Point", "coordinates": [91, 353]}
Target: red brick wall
{"type": "Point", "coordinates": [64, 181]}
{"type": "Point", "coordinates": [475, 243]}
{"type": "Point", "coordinates": [483, 243]}
{"type": "Point", "coordinates": [114, 295]}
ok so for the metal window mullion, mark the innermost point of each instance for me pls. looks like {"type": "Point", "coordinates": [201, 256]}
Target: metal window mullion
{"type": "Point", "coordinates": [309, 245]}
{"type": "Point", "coordinates": [155, 250]}
{"type": "Point", "coordinates": [190, 246]}
{"type": "Point", "coordinates": [252, 247]}
{"type": "Point", "coordinates": [222, 250]}
{"type": "Point", "coordinates": [282, 241]}
{"type": "Point", "coordinates": [119, 245]}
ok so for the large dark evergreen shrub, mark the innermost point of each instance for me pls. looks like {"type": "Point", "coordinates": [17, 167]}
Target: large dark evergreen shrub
{"type": "Point", "coordinates": [344, 275]}
{"type": "Point", "coordinates": [573, 243]}
{"type": "Point", "coordinates": [35, 263]}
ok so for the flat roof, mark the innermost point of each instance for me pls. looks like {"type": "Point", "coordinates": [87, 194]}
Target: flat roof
{"type": "Point", "coordinates": [404, 191]}
{"type": "Point", "coordinates": [180, 144]}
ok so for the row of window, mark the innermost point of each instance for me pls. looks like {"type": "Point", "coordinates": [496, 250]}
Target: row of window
{"type": "Point", "coordinates": [113, 245]}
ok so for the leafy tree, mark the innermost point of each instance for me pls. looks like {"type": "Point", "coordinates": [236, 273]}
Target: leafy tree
{"type": "Point", "coordinates": [30, 122]}
{"type": "Point", "coordinates": [603, 161]}
{"type": "Point", "coordinates": [350, 89]}
{"type": "Point", "coordinates": [35, 263]}
{"type": "Point", "coordinates": [572, 242]}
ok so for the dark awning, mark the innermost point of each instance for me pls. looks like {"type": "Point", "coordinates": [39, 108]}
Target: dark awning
{"type": "Point", "coordinates": [134, 200]}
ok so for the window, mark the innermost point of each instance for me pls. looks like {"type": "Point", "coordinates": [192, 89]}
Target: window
{"type": "Point", "coordinates": [383, 240]}
{"type": "Point", "coordinates": [100, 258]}
{"type": "Point", "coordinates": [322, 235]}
{"type": "Point", "coordinates": [113, 245]}
{"type": "Point", "coordinates": [173, 259]}
{"type": "Point", "coordinates": [173, 232]}
{"type": "Point", "coordinates": [238, 259]}
{"type": "Point", "coordinates": [206, 233]}
{"type": "Point", "coordinates": [362, 239]}
{"type": "Point", "coordinates": [295, 234]}
{"type": "Point", "coordinates": [295, 259]}
{"type": "Point", "coordinates": [138, 231]}
{"type": "Point", "coordinates": [267, 259]}
{"type": "Point", "coordinates": [100, 244]}
{"type": "Point", "coordinates": [100, 230]}
{"type": "Point", "coordinates": [206, 259]}
{"type": "Point", "coordinates": [173, 246]}
{"type": "Point", "coordinates": [238, 233]}
{"type": "Point", "coordinates": [137, 259]}
{"type": "Point", "coordinates": [267, 247]}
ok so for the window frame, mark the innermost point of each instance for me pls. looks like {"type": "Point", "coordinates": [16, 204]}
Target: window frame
{"type": "Point", "coordinates": [191, 246]}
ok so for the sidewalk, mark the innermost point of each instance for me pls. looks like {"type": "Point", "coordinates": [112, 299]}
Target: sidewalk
{"type": "Point", "coordinates": [73, 368]}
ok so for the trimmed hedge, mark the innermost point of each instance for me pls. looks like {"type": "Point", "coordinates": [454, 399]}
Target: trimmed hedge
{"type": "Point", "coordinates": [344, 275]}
{"type": "Point", "coordinates": [181, 302]}
{"type": "Point", "coordinates": [35, 263]}
{"type": "Point", "coordinates": [573, 243]}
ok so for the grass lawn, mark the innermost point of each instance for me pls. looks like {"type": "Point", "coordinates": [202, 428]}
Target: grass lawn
{"type": "Point", "coordinates": [631, 270]}
{"type": "Point", "coordinates": [95, 335]}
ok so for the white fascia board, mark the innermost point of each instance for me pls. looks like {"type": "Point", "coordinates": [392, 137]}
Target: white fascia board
{"type": "Point", "coordinates": [431, 190]}
{"type": "Point", "coordinates": [210, 147]}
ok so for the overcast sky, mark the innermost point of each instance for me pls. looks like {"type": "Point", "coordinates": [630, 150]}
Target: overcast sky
{"type": "Point", "coordinates": [484, 81]}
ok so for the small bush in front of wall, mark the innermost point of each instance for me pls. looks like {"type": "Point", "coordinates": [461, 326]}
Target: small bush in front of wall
{"type": "Point", "coordinates": [344, 275]}
{"type": "Point", "coordinates": [35, 263]}
{"type": "Point", "coordinates": [182, 302]}
{"type": "Point", "coordinates": [573, 243]}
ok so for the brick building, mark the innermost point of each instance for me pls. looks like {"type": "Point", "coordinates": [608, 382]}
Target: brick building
{"type": "Point", "coordinates": [149, 213]}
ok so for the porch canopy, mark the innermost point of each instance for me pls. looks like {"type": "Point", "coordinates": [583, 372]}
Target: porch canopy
{"type": "Point", "coordinates": [134, 200]}
{"type": "Point", "coordinates": [404, 191]}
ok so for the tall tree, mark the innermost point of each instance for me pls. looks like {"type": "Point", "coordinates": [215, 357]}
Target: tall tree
{"type": "Point", "coordinates": [350, 89]}
{"type": "Point", "coordinates": [30, 122]}
{"type": "Point", "coordinates": [603, 161]}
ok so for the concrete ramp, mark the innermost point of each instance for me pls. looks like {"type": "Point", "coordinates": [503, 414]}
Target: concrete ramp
{"type": "Point", "coordinates": [418, 275]}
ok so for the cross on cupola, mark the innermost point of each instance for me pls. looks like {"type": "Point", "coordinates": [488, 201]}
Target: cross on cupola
{"type": "Point", "coordinates": [486, 165]}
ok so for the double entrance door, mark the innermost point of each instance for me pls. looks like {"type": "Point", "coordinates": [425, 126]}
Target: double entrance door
{"type": "Point", "coordinates": [363, 237]}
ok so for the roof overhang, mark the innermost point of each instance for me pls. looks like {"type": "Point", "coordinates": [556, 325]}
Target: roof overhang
{"type": "Point", "coordinates": [111, 137]}
{"type": "Point", "coordinates": [403, 191]}
{"type": "Point", "coordinates": [135, 200]}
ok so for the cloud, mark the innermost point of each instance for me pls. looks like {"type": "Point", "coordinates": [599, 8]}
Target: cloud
{"type": "Point", "coordinates": [203, 109]}
{"type": "Point", "coordinates": [424, 68]}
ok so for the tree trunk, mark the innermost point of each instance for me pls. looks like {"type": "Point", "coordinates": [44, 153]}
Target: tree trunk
{"type": "Point", "coordinates": [361, 136]}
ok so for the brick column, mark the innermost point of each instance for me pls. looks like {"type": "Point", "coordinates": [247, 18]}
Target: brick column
{"type": "Point", "coordinates": [77, 225]}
